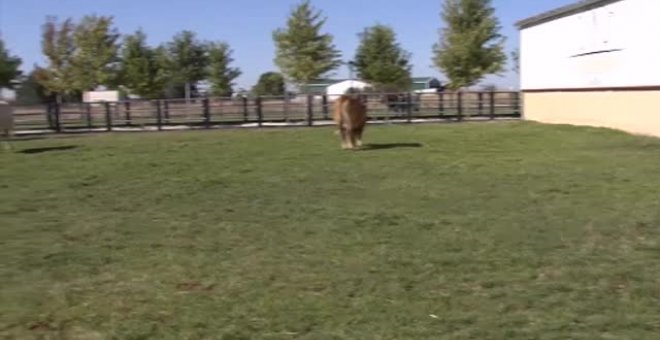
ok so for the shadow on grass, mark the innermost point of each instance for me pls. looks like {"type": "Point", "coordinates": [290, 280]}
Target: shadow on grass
{"type": "Point", "coordinates": [46, 136]}
{"type": "Point", "coordinates": [48, 149]}
{"type": "Point", "coordinates": [388, 146]}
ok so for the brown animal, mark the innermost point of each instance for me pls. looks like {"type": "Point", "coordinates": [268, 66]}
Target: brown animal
{"type": "Point", "coordinates": [350, 114]}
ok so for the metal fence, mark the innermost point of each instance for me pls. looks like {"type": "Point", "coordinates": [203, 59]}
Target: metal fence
{"type": "Point", "coordinates": [260, 111]}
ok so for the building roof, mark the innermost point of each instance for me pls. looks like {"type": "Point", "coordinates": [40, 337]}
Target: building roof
{"type": "Point", "coordinates": [575, 8]}
{"type": "Point", "coordinates": [422, 79]}
{"type": "Point", "coordinates": [325, 82]}
{"type": "Point", "coordinates": [328, 82]}
{"type": "Point", "coordinates": [354, 81]}
{"type": "Point", "coordinates": [320, 85]}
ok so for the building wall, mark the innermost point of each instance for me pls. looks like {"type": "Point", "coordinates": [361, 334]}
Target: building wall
{"type": "Point", "coordinates": [636, 112]}
{"type": "Point", "coordinates": [570, 52]}
{"type": "Point", "coordinates": [595, 68]}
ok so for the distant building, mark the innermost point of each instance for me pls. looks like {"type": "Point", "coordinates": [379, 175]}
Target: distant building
{"type": "Point", "coordinates": [425, 83]}
{"type": "Point", "coordinates": [335, 87]}
{"type": "Point", "coordinates": [592, 63]}
{"type": "Point", "coordinates": [7, 94]}
{"type": "Point", "coordinates": [319, 86]}
{"type": "Point", "coordinates": [100, 96]}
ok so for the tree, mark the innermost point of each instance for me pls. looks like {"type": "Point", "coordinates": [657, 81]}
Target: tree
{"type": "Point", "coordinates": [381, 61]}
{"type": "Point", "coordinates": [171, 87]}
{"type": "Point", "coordinates": [95, 59]}
{"type": "Point", "coordinates": [141, 67]}
{"type": "Point", "coordinates": [515, 60]}
{"type": "Point", "coordinates": [58, 47]}
{"type": "Point", "coordinates": [164, 65]}
{"type": "Point", "coordinates": [9, 67]}
{"type": "Point", "coordinates": [270, 84]}
{"type": "Point", "coordinates": [471, 46]}
{"type": "Point", "coordinates": [187, 60]}
{"type": "Point", "coordinates": [30, 91]}
{"type": "Point", "coordinates": [303, 53]}
{"type": "Point", "coordinates": [220, 74]}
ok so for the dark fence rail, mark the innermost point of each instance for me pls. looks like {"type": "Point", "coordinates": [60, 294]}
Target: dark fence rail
{"type": "Point", "coordinates": [260, 111]}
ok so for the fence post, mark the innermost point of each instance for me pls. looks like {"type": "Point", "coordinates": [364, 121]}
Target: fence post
{"type": "Point", "coordinates": [409, 107]}
{"type": "Point", "coordinates": [127, 113]}
{"type": "Point", "coordinates": [245, 108]}
{"type": "Point", "coordinates": [459, 98]}
{"type": "Point", "coordinates": [207, 112]}
{"type": "Point", "coordinates": [108, 117]}
{"type": "Point", "coordinates": [491, 105]}
{"type": "Point", "coordinates": [159, 115]}
{"type": "Point", "coordinates": [480, 108]}
{"type": "Point", "coordinates": [58, 127]}
{"type": "Point", "coordinates": [260, 117]}
{"type": "Point", "coordinates": [325, 106]}
{"type": "Point", "coordinates": [88, 114]}
{"type": "Point", "coordinates": [441, 104]}
{"type": "Point", "coordinates": [310, 110]}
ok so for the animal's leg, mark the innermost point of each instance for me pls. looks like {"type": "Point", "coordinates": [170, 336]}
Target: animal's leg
{"type": "Point", "coordinates": [352, 138]}
{"type": "Point", "coordinates": [344, 137]}
{"type": "Point", "coordinates": [349, 134]}
{"type": "Point", "coordinates": [358, 135]}
{"type": "Point", "coordinates": [355, 138]}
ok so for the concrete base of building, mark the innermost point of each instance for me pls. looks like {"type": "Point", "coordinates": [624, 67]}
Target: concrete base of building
{"type": "Point", "coordinates": [633, 111]}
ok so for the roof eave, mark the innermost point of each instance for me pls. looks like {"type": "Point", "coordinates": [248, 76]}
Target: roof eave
{"type": "Point", "coordinates": [561, 12]}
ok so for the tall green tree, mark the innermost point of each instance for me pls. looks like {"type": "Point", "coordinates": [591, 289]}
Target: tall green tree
{"type": "Point", "coordinates": [270, 84]}
{"type": "Point", "coordinates": [471, 45]}
{"type": "Point", "coordinates": [188, 60]}
{"type": "Point", "coordinates": [303, 52]}
{"type": "Point", "coordinates": [96, 56]}
{"type": "Point", "coordinates": [9, 67]}
{"type": "Point", "coordinates": [141, 67]}
{"type": "Point", "coordinates": [221, 74]}
{"type": "Point", "coordinates": [164, 64]}
{"type": "Point", "coordinates": [381, 61]}
{"type": "Point", "coordinates": [30, 91]}
{"type": "Point", "coordinates": [172, 88]}
{"type": "Point", "coordinates": [57, 44]}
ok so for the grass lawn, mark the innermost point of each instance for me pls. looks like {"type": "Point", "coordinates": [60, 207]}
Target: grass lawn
{"type": "Point", "coordinates": [448, 231]}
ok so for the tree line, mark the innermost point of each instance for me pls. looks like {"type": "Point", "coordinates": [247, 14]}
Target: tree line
{"type": "Point", "coordinates": [83, 56]}
{"type": "Point", "coordinates": [90, 53]}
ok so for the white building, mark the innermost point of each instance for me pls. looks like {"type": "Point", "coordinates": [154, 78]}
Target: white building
{"type": "Point", "coordinates": [100, 94]}
{"type": "Point", "coordinates": [595, 62]}
{"type": "Point", "coordinates": [335, 90]}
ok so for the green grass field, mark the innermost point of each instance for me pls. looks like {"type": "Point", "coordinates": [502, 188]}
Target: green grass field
{"type": "Point", "coordinates": [446, 231]}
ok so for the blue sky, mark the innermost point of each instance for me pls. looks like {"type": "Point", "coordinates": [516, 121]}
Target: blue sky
{"type": "Point", "coordinates": [247, 25]}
